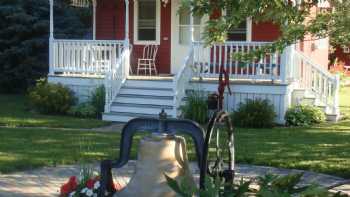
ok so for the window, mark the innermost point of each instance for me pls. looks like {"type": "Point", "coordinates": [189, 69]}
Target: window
{"type": "Point", "coordinates": [184, 27]}
{"type": "Point", "coordinates": [346, 49]}
{"type": "Point", "coordinates": [239, 33]}
{"type": "Point", "coordinates": [146, 21]}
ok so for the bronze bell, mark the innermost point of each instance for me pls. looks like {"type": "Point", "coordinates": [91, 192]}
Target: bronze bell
{"type": "Point", "coordinates": [158, 154]}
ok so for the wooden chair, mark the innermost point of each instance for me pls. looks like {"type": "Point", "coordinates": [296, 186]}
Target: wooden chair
{"type": "Point", "coordinates": [148, 60]}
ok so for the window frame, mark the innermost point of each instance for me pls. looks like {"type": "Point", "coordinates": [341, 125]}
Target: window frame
{"type": "Point", "coordinates": [200, 26]}
{"type": "Point", "coordinates": [136, 20]}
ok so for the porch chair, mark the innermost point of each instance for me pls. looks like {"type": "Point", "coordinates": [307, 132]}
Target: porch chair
{"type": "Point", "coordinates": [148, 60]}
{"type": "Point", "coordinates": [96, 58]}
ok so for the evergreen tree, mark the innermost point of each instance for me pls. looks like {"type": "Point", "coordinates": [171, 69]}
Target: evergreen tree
{"type": "Point", "coordinates": [24, 26]}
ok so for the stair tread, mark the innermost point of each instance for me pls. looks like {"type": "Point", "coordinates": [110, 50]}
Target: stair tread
{"type": "Point", "coordinates": [130, 114]}
{"type": "Point", "coordinates": [146, 96]}
{"type": "Point", "coordinates": [141, 105]}
{"type": "Point", "coordinates": [147, 88]}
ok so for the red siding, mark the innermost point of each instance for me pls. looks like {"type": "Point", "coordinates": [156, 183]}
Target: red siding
{"type": "Point", "coordinates": [110, 24]}
{"type": "Point", "coordinates": [344, 57]}
{"type": "Point", "coordinates": [266, 31]}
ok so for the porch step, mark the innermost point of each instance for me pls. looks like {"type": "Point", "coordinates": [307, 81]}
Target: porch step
{"type": "Point", "coordinates": [138, 108]}
{"type": "Point", "coordinates": [145, 83]}
{"type": "Point", "coordinates": [146, 91]}
{"type": "Point", "coordinates": [142, 98]}
{"type": "Point", "coordinates": [125, 116]}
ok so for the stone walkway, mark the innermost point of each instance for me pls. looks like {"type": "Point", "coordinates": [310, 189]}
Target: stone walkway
{"type": "Point", "coordinates": [47, 181]}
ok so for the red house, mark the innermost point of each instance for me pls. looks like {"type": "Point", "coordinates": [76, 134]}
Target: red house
{"type": "Point", "coordinates": [342, 55]}
{"type": "Point", "coordinates": [122, 29]}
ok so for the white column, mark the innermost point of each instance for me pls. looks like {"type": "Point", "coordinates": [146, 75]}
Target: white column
{"type": "Point", "coordinates": [127, 20]}
{"type": "Point", "coordinates": [127, 40]}
{"type": "Point", "coordinates": [191, 26]}
{"type": "Point", "coordinates": [336, 95]}
{"type": "Point", "coordinates": [94, 5]}
{"type": "Point", "coordinates": [51, 39]}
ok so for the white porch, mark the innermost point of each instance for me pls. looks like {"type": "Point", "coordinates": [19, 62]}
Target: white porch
{"type": "Point", "coordinates": [284, 79]}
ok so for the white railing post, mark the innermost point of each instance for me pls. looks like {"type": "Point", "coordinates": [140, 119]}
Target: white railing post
{"type": "Point", "coordinates": [127, 57]}
{"type": "Point", "coordinates": [336, 95]}
{"type": "Point", "coordinates": [94, 5]}
{"type": "Point", "coordinates": [284, 64]}
{"type": "Point", "coordinates": [51, 40]}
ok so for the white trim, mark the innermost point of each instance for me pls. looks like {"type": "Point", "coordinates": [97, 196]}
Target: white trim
{"type": "Point", "coordinates": [346, 49]}
{"type": "Point", "coordinates": [158, 22]}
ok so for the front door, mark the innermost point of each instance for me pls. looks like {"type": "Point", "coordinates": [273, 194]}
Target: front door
{"type": "Point", "coordinates": [151, 25]}
{"type": "Point", "coordinates": [181, 36]}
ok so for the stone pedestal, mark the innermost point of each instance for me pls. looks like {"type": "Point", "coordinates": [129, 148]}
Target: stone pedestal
{"type": "Point", "coordinates": [158, 155]}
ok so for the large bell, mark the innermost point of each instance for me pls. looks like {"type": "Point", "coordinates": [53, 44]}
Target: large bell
{"type": "Point", "coordinates": [158, 154]}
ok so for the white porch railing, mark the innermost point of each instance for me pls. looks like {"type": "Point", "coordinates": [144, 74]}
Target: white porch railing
{"type": "Point", "coordinates": [182, 80]}
{"type": "Point", "coordinates": [84, 57]}
{"type": "Point", "coordinates": [316, 79]}
{"type": "Point", "coordinates": [115, 78]}
{"type": "Point", "coordinates": [210, 59]}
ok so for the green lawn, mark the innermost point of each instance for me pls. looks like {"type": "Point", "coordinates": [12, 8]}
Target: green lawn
{"type": "Point", "coordinates": [325, 148]}
{"type": "Point", "coordinates": [22, 148]}
{"type": "Point", "coordinates": [15, 113]}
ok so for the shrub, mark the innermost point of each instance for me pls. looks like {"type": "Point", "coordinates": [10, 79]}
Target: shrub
{"type": "Point", "coordinates": [98, 100]}
{"type": "Point", "coordinates": [256, 113]}
{"type": "Point", "coordinates": [304, 115]}
{"type": "Point", "coordinates": [196, 107]}
{"type": "Point", "coordinates": [83, 110]}
{"type": "Point", "coordinates": [50, 98]}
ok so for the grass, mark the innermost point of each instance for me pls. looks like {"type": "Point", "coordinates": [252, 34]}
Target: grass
{"type": "Point", "coordinates": [324, 148]}
{"type": "Point", "coordinates": [15, 113]}
{"type": "Point", "coordinates": [24, 148]}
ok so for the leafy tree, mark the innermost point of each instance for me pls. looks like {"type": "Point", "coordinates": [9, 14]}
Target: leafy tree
{"type": "Point", "coordinates": [294, 20]}
{"type": "Point", "coordinates": [24, 29]}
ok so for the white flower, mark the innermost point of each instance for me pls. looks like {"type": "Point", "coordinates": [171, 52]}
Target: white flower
{"type": "Point", "coordinates": [95, 195]}
{"type": "Point", "coordinates": [89, 192]}
{"type": "Point", "coordinates": [71, 194]}
{"type": "Point", "coordinates": [97, 185]}
{"type": "Point", "coordinates": [84, 190]}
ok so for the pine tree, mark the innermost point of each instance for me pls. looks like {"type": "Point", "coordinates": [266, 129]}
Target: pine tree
{"type": "Point", "coordinates": [24, 26]}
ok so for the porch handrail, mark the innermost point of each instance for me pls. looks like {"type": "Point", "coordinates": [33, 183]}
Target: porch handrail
{"type": "Point", "coordinates": [182, 80]}
{"type": "Point", "coordinates": [84, 57]}
{"type": "Point", "coordinates": [310, 76]}
{"type": "Point", "coordinates": [115, 78]}
{"type": "Point", "coordinates": [209, 60]}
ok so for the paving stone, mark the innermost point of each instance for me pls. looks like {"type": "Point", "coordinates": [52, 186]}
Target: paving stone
{"type": "Point", "coordinates": [47, 181]}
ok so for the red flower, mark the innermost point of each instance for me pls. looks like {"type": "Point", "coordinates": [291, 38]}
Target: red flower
{"type": "Point", "coordinates": [90, 183]}
{"type": "Point", "coordinates": [65, 189]}
{"type": "Point", "coordinates": [70, 186]}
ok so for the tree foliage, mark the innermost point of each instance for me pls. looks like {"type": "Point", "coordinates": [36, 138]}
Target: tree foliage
{"type": "Point", "coordinates": [294, 20]}
{"type": "Point", "coordinates": [24, 27]}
